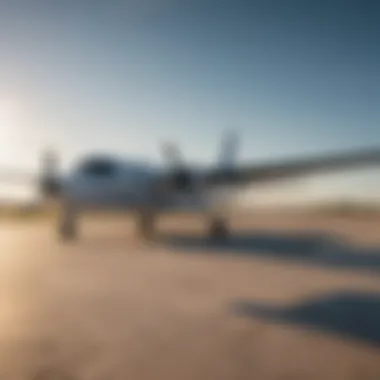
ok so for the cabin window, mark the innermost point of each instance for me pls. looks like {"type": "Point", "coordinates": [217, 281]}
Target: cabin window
{"type": "Point", "coordinates": [99, 168]}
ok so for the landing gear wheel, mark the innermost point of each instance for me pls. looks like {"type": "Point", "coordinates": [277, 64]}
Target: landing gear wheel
{"type": "Point", "coordinates": [218, 229]}
{"type": "Point", "coordinates": [68, 223]}
{"type": "Point", "coordinates": [68, 232]}
{"type": "Point", "coordinates": [145, 224]}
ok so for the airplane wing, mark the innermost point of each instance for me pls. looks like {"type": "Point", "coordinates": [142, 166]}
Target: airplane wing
{"type": "Point", "coordinates": [293, 168]}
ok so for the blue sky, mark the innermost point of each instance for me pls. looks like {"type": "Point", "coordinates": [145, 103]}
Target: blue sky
{"type": "Point", "coordinates": [293, 77]}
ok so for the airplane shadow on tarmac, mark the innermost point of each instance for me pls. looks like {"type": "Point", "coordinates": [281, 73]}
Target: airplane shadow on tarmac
{"type": "Point", "coordinates": [318, 249]}
{"type": "Point", "coordinates": [352, 315]}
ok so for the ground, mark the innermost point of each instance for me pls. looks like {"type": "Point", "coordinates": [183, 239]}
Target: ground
{"type": "Point", "coordinates": [288, 297]}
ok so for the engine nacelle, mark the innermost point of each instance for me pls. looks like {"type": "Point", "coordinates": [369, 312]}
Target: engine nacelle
{"type": "Point", "coordinates": [182, 181]}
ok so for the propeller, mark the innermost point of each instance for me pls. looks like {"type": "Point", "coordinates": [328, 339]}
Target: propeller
{"type": "Point", "coordinates": [182, 178]}
{"type": "Point", "coordinates": [229, 151]}
{"type": "Point", "coordinates": [179, 175]}
{"type": "Point", "coordinates": [49, 180]}
{"type": "Point", "coordinates": [46, 182]}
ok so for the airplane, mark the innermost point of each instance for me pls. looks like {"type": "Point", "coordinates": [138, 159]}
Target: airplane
{"type": "Point", "coordinates": [109, 182]}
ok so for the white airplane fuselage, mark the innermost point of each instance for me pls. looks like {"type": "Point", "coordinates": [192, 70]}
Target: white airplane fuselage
{"type": "Point", "coordinates": [124, 185]}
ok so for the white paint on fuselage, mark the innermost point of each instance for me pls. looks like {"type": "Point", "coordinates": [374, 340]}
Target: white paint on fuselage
{"type": "Point", "coordinates": [129, 186]}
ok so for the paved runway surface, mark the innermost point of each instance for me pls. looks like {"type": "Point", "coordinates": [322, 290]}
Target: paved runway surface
{"type": "Point", "coordinates": [288, 297]}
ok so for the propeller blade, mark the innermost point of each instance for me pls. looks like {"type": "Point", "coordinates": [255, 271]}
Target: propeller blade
{"type": "Point", "coordinates": [173, 156]}
{"type": "Point", "coordinates": [179, 177]}
{"type": "Point", "coordinates": [229, 151]}
{"type": "Point", "coordinates": [50, 181]}
{"type": "Point", "coordinates": [47, 180]}
{"type": "Point", "coordinates": [50, 162]}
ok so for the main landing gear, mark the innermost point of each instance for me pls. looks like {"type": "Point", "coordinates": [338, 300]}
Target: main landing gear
{"type": "Point", "coordinates": [145, 224]}
{"type": "Point", "coordinates": [218, 229]}
{"type": "Point", "coordinates": [68, 223]}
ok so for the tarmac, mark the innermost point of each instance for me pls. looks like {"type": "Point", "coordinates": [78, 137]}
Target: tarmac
{"type": "Point", "coordinates": [285, 297]}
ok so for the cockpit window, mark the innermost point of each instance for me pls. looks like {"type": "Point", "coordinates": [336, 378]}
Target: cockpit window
{"type": "Point", "coordinates": [99, 168]}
